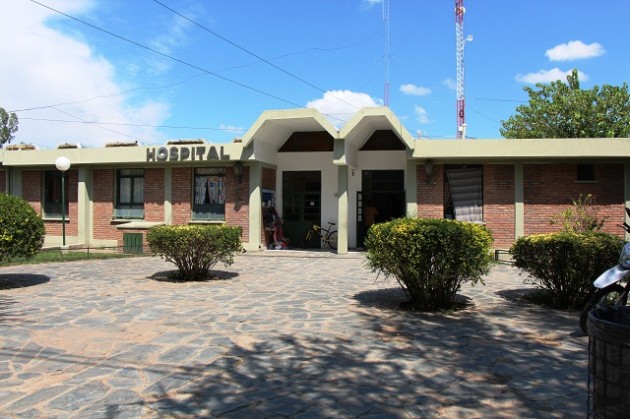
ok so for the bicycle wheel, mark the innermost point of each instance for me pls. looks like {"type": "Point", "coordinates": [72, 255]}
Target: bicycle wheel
{"type": "Point", "coordinates": [601, 298]}
{"type": "Point", "coordinates": [331, 239]}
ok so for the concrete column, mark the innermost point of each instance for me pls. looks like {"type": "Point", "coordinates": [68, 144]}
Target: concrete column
{"type": "Point", "coordinates": [15, 181]}
{"type": "Point", "coordinates": [255, 206]}
{"type": "Point", "coordinates": [519, 201]}
{"type": "Point", "coordinates": [342, 210]}
{"type": "Point", "coordinates": [411, 189]}
{"type": "Point", "coordinates": [84, 204]}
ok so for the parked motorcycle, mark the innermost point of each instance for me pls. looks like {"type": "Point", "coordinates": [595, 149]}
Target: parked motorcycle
{"type": "Point", "coordinates": [610, 288]}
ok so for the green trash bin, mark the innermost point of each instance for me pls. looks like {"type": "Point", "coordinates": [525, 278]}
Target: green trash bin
{"type": "Point", "coordinates": [609, 361]}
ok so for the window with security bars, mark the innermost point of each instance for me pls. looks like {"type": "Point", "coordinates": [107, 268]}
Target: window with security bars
{"type": "Point", "coordinates": [209, 194]}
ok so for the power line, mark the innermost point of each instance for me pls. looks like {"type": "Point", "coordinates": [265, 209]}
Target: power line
{"type": "Point", "coordinates": [95, 124]}
{"type": "Point", "coordinates": [250, 52]}
{"type": "Point", "coordinates": [254, 89]}
{"type": "Point", "coordinates": [132, 125]}
{"type": "Point", "coordinates": [166, 86]}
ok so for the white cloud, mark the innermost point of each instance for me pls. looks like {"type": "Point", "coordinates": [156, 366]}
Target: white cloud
{"type": "Point", "coordinates": [42, 66]}
{"type": "Point", "coordinates": [422, 115]}
{"type": "Point", "coordinates": [450, 83]}
{"type": "Point", "coordinates": [412, 89]}
{"type": "Point", "coordinates": [340, 105]}
{"type": "Point", "coordinates": [547, 76]}
{"type": "Point", "coordinates": [371, 3]}
{"type": "Point", "coordinates": [574, 50]}
{"type": "Point", "coordinates": [233, 129]}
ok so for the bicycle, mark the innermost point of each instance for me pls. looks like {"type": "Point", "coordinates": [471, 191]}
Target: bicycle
{"type": "Point", "coordinates": [327, 235]}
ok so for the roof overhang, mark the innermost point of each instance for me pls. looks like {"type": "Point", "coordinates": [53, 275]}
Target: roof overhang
{"type": "Point", "coordinates": [143, 155]}
{"type": "Point", "coordinates": [507, 150]}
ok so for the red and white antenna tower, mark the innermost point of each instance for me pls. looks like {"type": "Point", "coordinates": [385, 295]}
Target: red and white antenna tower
{"type": "Point", "coordinates": [460, 43]}
{"type": "Point", "coordinates": [386, 22]}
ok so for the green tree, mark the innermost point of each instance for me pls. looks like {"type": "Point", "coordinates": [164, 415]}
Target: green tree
{"type": "Point", "coordinates": [21, 229]}
{"type": "Point", "coordinates": [564, 110]}
{"type": "Point", "coordinates": [8, 126]}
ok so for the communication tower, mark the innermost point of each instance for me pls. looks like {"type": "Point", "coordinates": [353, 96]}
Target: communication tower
{"type": "Point", "coordinates": [386, 23]}
{"type": "Point", "coordinates": [460, 43]}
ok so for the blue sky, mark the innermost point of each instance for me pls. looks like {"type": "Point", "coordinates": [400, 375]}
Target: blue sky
{"type": "Point", "coordinates": [234, 59]}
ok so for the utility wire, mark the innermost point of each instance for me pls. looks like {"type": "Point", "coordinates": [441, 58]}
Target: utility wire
{"type": "Point", "coordinates": [80, 121]}
{"type": "Point", "coordinates": [250, 52]}
{"type": "Point", "coordinates": [254, 89]}
{"type": "Point", "coordinates": [93, 123]}
{"type": "Point", "coordinates": [74, 102]}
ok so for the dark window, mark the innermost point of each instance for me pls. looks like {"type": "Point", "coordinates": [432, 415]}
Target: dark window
{"type": "Point", "coordinates": [585, 172]}
{"type": "Point", "coordinates": [130, 194]}
{"type": "Point", "coordinates": [209, 194]}
{"type": "Point", "coordinates": [52, 194]}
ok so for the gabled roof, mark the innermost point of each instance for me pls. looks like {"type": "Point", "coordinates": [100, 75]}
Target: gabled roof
{"type": "Point", "coordinates": [273, 128]}
{"type": "Point", "coordinates": [367, 120]}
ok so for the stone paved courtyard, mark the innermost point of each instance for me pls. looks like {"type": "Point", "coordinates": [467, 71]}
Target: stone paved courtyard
{"type": "Point", "coordinates": [281, 334]}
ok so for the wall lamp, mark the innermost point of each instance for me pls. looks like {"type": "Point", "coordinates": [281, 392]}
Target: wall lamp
{"type": "Point", "coordinates": [428, 168]}
{"type": "Point", "coordinates": [238, 170]}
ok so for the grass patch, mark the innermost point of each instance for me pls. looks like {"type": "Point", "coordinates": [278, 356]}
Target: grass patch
{"type": "Point", "coordinates": [55, 255]}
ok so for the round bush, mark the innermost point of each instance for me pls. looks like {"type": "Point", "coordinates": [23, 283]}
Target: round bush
{"type": "Point", "coordinates": [21, 229]}
{"type": "Point", "coordinates": [195, 249]}
{"type": "Point", "coordinates": [566, 264]}
{"type": "Point", "coordinates": [430, 258]}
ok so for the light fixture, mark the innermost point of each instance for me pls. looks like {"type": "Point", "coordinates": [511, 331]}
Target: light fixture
{"type": "Point", "coordinates": [238, 170]}
{"type": "Point", "coordinates": [428, 168]}
{"type": "Point", "coordinates": [63, 164]}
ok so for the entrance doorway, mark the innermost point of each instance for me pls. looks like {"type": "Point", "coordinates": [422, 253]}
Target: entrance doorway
{"type": "Point", "coordinates": [382, 198]}
{"type": "Point", "coordinates": [301, 205]}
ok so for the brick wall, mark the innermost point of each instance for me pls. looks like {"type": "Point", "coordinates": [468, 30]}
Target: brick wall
{"type": "Point", "coordinates": [103, 204]}
{"type": "Point", "coordinates": [498, 203]}
{"type": "Point", "coordinates": [181, 195]}
{"type": "Point", "coordinates": [32, 181]}
{"type": "Point", "coordinates": [154, 195]}
{"type": "Point", "coordinates": [269, 178]}
{"type": "Point", "coordinates": [430, 192]}
{"type": "Point", "coordinates": [237, 201]}
{"type": "Point", "coordinates": [550, 188]}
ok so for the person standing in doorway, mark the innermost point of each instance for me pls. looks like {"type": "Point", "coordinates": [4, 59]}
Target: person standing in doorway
{"type": "Point", "coordinates": [370, 212]}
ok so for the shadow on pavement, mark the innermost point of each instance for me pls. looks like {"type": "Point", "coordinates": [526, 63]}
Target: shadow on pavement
{"type": "Point", "coordinates": [410, 364]}
{"type": "Point", "coordinates": [171, 276]}
{"type": "Point", "coordinates": [18, 280]}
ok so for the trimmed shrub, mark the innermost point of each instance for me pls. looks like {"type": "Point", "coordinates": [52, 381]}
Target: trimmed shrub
{"type": "Point", "coordinates": [195, 249]}
{"type": "Point", "coordinates": [21, 229]}
{"type": "Point", "coordinates": [566, 264]}
{"type": "Point", "coordinates": [430, 258]}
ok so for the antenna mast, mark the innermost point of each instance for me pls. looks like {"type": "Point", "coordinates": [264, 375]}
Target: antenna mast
{"type": "Point", "coordinates": [386, 22]}
{"type": "Point", "coordinates": [460, 42]}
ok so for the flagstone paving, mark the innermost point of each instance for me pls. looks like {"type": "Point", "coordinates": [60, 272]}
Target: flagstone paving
{"type": "Point", "coordinates": [280, 334]}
